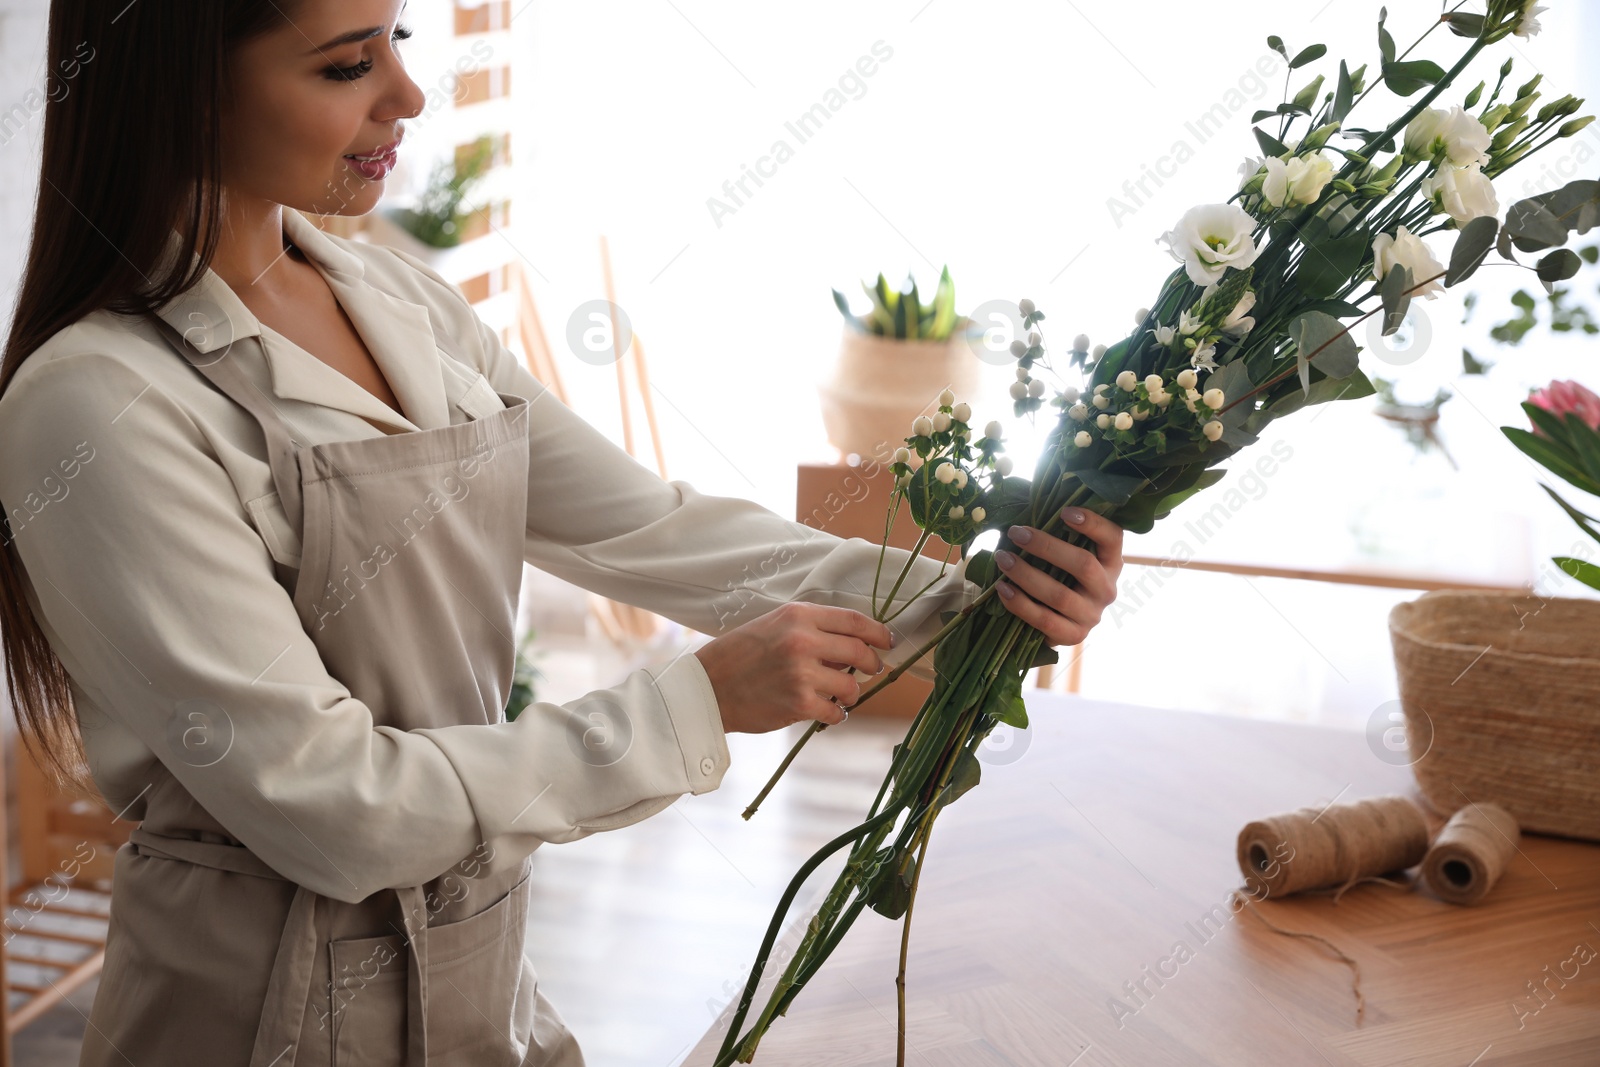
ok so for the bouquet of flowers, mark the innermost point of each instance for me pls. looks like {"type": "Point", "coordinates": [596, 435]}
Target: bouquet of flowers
{"type": "Point", "coordinates": [1255, 324]}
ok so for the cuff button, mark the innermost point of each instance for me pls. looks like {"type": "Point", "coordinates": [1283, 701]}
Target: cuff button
{"type": "Point", "coordinates": [707, 765]}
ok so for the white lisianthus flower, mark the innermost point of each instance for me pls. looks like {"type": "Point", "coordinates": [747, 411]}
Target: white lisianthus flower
{"type": "Point", "coordinates": [1405, 248]}
{"type": "Point", "coordinates": [978, 514]}
{"type": "Point", "coordinates": [1239, 322]}
{"type": "Point", "coordinates": [1083, 439]}
{"type": "Point", "coordinates": [1127, 381]}
{"type": "Point", "coordinates": [957, 511]}
{"type": "Point", "coordinates": [941, 421]}
{"type": "Point", "coordinates": [1214, 399]}
{"type": "Point", "coordinates": [962, 412]}
{"type": "Point", "coordinates": [1187, 379]}
{"type": "Point", "coordinates": [1212, 430]}
{"type": "Point", "coordinates": [1528, 24]}
{"type": "Point", "coordinates": [1018, 390]}
{"type": "Point", "coordinates": [1204, 357]}
{"type": "Point", "coordinates": [1299, 180]}
{"type": "Point", "coordinates": [1211, 238]}
{"type": "Point", "coordinates": [946, 398]}
{"type": "Point", "coordinates": [1103, 421]}
{"type": "Point", "coordinates": [960, 479]}
{"type": "Point", "coordinates": [1248, 170]}
{"type": "Point", "coordinates": [1463, 193]}
{"type": "Point", "coordinates": [1078, 412]}
{"type": "Point", "coordinates": [1123, 421]}
{"type": "Point", "coordinates": [1036, 387]}
{"type": "Point", "coordinates": [902, 455]}
{"type": "Point", "coordinates": [944, 473]}
{"type": "Point", "coordinates": [994, 430]}
{"type": "Point", "coordinates": [1459, 136]}
{"type": "Point", "coordinates": [921, 426]}
{"type": "Point", "coordinates": [1003, 465]}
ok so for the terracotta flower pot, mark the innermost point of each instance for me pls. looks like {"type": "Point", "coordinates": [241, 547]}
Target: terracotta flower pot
{"type": "Point", "coordinates": [880, 384]}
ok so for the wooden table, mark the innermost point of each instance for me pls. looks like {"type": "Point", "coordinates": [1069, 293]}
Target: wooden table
{"type": "Point", "coordinates": [1066, 881]}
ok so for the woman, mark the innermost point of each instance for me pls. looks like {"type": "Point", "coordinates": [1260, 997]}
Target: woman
{"type": "Point", "coordinates": [269, 496]}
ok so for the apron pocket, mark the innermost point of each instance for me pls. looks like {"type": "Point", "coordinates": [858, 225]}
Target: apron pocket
{"type": "Point", "coordinates": [477, 1013]}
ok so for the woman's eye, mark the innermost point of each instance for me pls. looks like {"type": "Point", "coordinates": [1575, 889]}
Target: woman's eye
{"type": "Point", "coordinates": [361, 69]}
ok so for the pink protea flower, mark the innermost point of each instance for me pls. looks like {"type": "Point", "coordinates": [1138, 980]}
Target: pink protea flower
{"type": "Point", "coordinates": [1560, 398]}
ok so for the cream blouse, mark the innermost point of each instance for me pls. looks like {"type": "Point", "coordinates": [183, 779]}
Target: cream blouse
{"type": "Point", "coordinates": [142, 507]}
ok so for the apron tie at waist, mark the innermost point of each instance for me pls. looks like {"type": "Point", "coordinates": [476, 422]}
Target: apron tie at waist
{"type": "Point", "coordinates": [289, 986]}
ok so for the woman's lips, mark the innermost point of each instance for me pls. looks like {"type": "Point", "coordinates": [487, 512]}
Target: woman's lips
{"type": "Point", "coordinates": [376, 167]}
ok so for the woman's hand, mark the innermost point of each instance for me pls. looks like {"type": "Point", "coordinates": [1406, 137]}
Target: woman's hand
{"type": "Point", "coordinates": [1065, 615]}
{"type": "Point", "coordinates": [792, 663]}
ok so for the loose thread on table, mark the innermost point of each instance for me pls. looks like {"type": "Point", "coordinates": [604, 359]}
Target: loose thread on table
{"type": "Point", "coordinates": [1347, 960]}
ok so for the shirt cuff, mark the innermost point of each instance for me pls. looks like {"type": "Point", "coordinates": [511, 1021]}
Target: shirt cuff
{"type": "Point", "coordinates": [696, 717]}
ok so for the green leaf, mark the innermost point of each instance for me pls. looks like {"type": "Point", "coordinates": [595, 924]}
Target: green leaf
{"type": "Point", "coordinates": [890, 892]}
{"type": "Point", "coordinates": [1270, 144]}
{"type": "Point", "coordinates": [1009, 503]}
{"type": "Point", "coordinates": [1585, 445]}
{"type": "Point", "coordinates": [1045, 656]}
{"type": "Point", "coordinates": [1329, 263]}
{"type": "Point", "coordinates": [1403, 79]}
{"type": "Point", "coordinates": [1557, 460]}
{"type": "Point", "coordinates": [1112, 488]}
{"type": "Point", "coordinates": [1234, 380]}
{"type": "Point", "coordinates": [981, 568]}
{"type": "Point", "coordinates": [1275, 43]}
{"type": "Point", "coordinates": [1343, 94]}
{"type": "Point", "coordinates": [1464, 24]}
{"type": "Point", "coordinates": [1472, 248]}
{"type": "Point", "coordinates": [1396, 297]}
{"type": "Point", "coordinates": [1587, 573]}
{"type": "Point", "coordinates": [1308, 55]}
{"type": "Point", "coordinates": [1321, 338]}
{"type": "Point", "coordinates": [1559, 265]}
{"type": "Point", "coordinates": [1584, 521]}
{"type": "Point", "coordinates": [1207, 479]}
{"type": "Point", "coordinates": [1532, 227]}
{"type": "Point", "coordinates": [1323, 391]}
{"type": "Point", "coordinates": [1003, 703]}
{"type": "Point", "coordinates": [1385, 40]}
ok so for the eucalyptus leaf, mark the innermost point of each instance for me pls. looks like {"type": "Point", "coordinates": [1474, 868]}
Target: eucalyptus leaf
{"type": "Point", "coordinates": [1403, 79]}
{"type": "Point", "coordinates": [1308, 55]}
{"type": "Point", "coordinates": [1559, 265]}
{"type": "Point", "coordinates": [1329, 263]}
{"type": "Point", "coordinates": [1396, 297]}
{"type": "Point", "coordinates": [1472, 248]}
{"type": "Point", "coordinates": [1270, 144]}
{"type": "Point", "coordinates": [1112, 488]}
{"type": "Point", "coordinates": [1343, 94]}
{"type": "Point", "coordinates": [1321, 337]}
{"type": "Point", "coordinates": [1532, 227]}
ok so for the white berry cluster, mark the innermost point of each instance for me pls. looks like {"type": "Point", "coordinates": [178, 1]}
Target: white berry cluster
{"type": "Point", "coordinates": [944, 486]}
{"type": "Point", "coordinates": [1116, 410]}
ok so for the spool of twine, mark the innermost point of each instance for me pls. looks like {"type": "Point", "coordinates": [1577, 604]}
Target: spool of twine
{"type": "Point", "coordinates": [1470, 853]}
{"type": "Point", "coordinates": [1339, 845]}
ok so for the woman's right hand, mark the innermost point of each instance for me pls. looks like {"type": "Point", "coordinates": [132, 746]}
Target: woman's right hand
{"type": "Point", "coordinates": [791, 664]}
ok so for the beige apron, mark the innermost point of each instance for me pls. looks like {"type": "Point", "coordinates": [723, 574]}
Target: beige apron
{"type": "Point", "coordinates": [213, 958]}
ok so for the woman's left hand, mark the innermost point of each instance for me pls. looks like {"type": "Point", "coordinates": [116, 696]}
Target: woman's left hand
{"type": "Point", "coordinates": [1063, 614]}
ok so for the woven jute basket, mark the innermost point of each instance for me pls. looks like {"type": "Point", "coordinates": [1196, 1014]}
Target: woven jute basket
{"type": "Point", "coordinates": [1502, 700]}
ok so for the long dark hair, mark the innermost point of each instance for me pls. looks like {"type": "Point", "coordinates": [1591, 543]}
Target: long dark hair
{"type": "Point", "coordinates": [132, 151]}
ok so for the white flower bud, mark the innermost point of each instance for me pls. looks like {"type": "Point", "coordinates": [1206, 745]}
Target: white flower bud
{"type": "Point", "coordinates": [1103, 421]}
{"type": "Point", "coordinates": [1083, 439]}
{"type": "Point", "coordinates": [1101, 389]}
{"type": "Point", "coordinates": [1140, 315]}
{"type": "Point", "coordinates": [962, 412]}
{"type": "Point", "coordinates": [1097, 352]}
{"type": "Point", "coordinates": [994, 430]}
{"type": "Point", "coordinates": [1212, 430]}
{"type": "Point", "coordinates": [1018, 349]}
{"type": "Point", "coordinates": [978, 514]}
{"type": "Point", "coordinates": [1026, 307]}
{"type": "Point", "coordinates": [1140, 414]}
{"type": "Point", "coordinates": [1152, 383]}
{"type": "Point", "coordinates": [1023, 373]}
{"type": "Point", "coordinates": [1187, 378]}
{"type": "Point", "coordinates": [1101, 402]}
{"type": "Point", "coordinates": [1161, 398]}
{"type": "Point", "coordinates": [946, 398]}
{"type": "Point", "coordinates": [904, 480]}
{"type": "Point", "coordinates": [1214, 399]}
{"type": "Point", "coordinates": [902, 454]}
{"type": "Point", "coordinates": [957, 511]}
{"type": "Point", "coordinates": [1018, 390]}
{"type": "Point", "coordinates": [944, 473]}
{"type": "Point", "coordinates": [1191, 394]}
{"type": "Point", "coordinates": [1123, 421]}
{"type": "Point", "coordinates": [960, 480]}
{"type": "Point", "coordinates": [1033, 337]}
{"type": "Point", "coordinates": [921, 426]}
{"type": "Point", "coordinates": [1080, 343]}
{"type": "Point", "coordinates": [941, 421]}
{"type": "Point", "coordinates": [1078, 412]}
{"type": "Point", "coordinates": [1127, 381]}
{"type": "Point", "coordinates": [1070, 394]}
{"type": "Point", "coordinates": [1036, 387]}
{"type": "Point", "coordinates": [1003, 465]}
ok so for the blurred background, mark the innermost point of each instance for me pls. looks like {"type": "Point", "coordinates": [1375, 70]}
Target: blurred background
{"type": "Point", "coordinates": [741, 160]}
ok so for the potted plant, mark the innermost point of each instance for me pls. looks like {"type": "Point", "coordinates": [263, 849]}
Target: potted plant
{"type": "Point", "coordinates": [433, 228]}
{"type": "Point", "coordinates": [893, 363]}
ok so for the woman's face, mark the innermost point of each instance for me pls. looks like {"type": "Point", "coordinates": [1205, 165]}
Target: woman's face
{"type": "Point", "coordinates": [305, 99]}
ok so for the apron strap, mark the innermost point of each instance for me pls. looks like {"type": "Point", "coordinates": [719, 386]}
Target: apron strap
{"type": "Point", "coordinates": [234, 383]}
{"type": "Point", "coordinates": [414, 905]}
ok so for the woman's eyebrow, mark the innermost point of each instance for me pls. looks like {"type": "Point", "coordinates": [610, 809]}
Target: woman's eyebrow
{"type": "Point", "coordinates": [353, 36]}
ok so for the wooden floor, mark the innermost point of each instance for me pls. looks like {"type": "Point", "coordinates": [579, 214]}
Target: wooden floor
{"type": "Point", "coordinates": [638, 935]}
